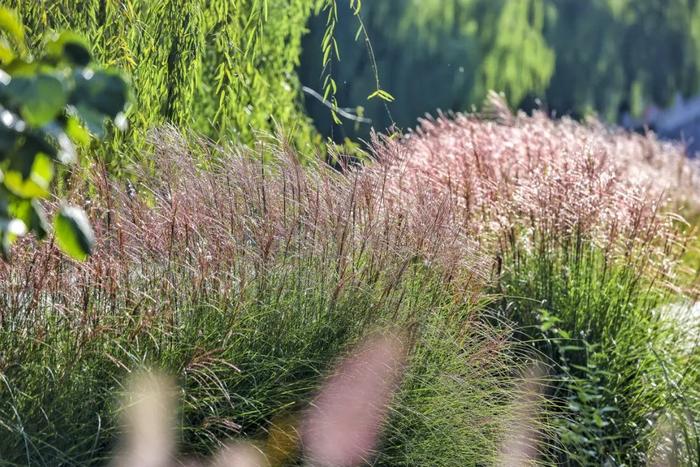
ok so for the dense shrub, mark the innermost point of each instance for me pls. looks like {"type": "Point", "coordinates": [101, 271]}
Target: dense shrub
{"type": "Point", "coordinates": [576, 217]}
{"type": "Point", "coordinates": [246, 279]}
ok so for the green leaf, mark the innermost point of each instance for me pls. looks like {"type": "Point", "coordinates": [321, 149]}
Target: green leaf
{"type": "Point", "coordinates": [73, 233]}
{"type": "Point", "coordinates": [22, 160]}
{"type": "Point", "coordinates": [34, 186]}
{"type": "Point", "coordinates": [38, 222]}
{"type": "Point", "coordinates": [10, 24]}
{"type": "Point", "coordinates": [381, 94]}
{"type": "Point", "coordinates": [359, 31]}
{"type": "Point", "coordinates": [600, 423]}
{"type": "Point", "coordinates": [20, 68]}
{"type": "Point", "coordinates": [98, 96]}
{"type": "Point", "coordinates": [6, 53]}
{"type": "Point", "coordinates": [11, 127]}
{"type": "Point", "coordinates": [93, 120]}
{"type": "Point", "coordinates": [77, 132]}
{"type": "Point", "coordinates": [6, 241]}
{"type": "Point", "coordinates": [39, 141]}
{"type": "Point", "coordinates": [32, 214]}
{"type": "Point", "coordinates": [12, 226]}
{"type": "Point", "coordinates": [40, 99]}
{"type": "Point", "coordinates": [386, 96]}
{"type": "Point", "coordinates": [10, 229]}
{"type": "Point", "coordinates": [570, 348]}
{"type": "Point", "coordinates": [66, 151]}
{"type": "Point", "coordinates": [71, 47]}
{"type": "Point", "coordinates": [104, 91]}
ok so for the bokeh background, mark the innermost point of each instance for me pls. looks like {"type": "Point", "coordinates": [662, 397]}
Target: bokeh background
{"type": "Point", "coordinates": [627, 61]}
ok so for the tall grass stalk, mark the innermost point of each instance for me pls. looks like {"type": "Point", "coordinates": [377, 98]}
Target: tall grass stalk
{"type": "Point", "coordinates": [246, 280]}
{"type": "Point", "coordinates": [579, 220]}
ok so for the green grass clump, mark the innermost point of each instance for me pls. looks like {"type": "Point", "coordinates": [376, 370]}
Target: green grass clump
{"type": "Point", "coordinates": [622, 364]}
{"type": "Point", "coordinates": [590, 261]}
{"type": "Point", "coordinates": [246, 282]}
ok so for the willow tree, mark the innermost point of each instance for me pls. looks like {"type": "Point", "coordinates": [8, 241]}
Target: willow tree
{"type": "Point", "coordinates": [225, 69]}
{"type": "Point", "coordinates": [623, 53]}
{"type": "Point", "coordinates": [576, 57]}
{"type": "Point", "coordinates": [434, 54]}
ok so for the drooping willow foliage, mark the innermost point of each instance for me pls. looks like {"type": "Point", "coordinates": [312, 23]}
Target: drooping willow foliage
{"type": "Point", "coordinates": [577, 57]}
{"type": "Point", "coordinates": [434, 54]}
{"type": "Point", "coordinates": [220, 67]}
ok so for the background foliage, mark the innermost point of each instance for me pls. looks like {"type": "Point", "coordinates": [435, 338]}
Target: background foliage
{"type": "Point", "coordinates": [576, 57]}
{"type": "Point", "coordinates": [220, 68]}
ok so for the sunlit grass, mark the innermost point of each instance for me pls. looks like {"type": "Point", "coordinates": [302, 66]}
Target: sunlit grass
{"type": "Point", "coordinates": [246, 282]}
